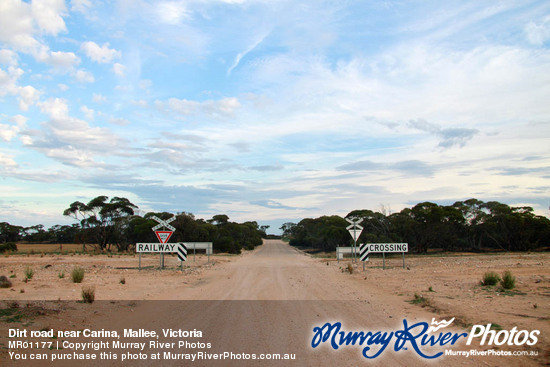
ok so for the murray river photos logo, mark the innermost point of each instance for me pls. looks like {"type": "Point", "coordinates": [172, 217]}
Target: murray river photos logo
{"type": "Point", "coordinates": [420, 337]}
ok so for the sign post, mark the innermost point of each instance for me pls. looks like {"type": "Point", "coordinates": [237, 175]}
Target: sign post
{"type": "Point", "coordinates": [354, 230]}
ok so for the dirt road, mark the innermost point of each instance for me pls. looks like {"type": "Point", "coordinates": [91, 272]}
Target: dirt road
{"type": "Point", "coordinates": [269, 301]}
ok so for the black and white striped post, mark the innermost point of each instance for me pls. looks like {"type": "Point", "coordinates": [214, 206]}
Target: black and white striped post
{"type": "Point", "coordinates": [364, 253]}
{"type": "Point", "coordinates": [182, 253]}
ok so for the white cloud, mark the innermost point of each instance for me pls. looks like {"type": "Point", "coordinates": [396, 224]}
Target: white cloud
{"type": "Point", "coordinates": [7, 161]}
{"type": "Point", "coordinates": [119, 69]}
{"type": "Point", "coordinates": [8, 57]}
{"type": "Point", "coordinates": [48, 15]}
{"type": "Point", "coordinates": [171, 12]}
{"type": "Point", "coordinates": [88, 112]}
{"type": "Point", "coordinates": [119, 121]}
{"type": "Point", "coordinates": [100, 54]}
{"type": "Point", "coordinates": [81, 6]}
{"type": "Point", "coordinates": [22, 22]}
{"type": "Point", "coordinates": [26, 95]}
{"type": "Point", "coordinates": [56, 108]}
{"type": "Point", "coordinates": [84, 76]}
{"type": "Point", "coordinates": [240, 55]}
{"type": "Point", "coordinates": [61, 60]}
{"type": "Point", "coordinates": [17, 27]}
{"type": "Point", "coordinates": [538, 34]}
{"type": "Point", "coordinates": [223, 107]}
{"type": "Point", "coordinates": [99, 98]}
{"type": "Point", "coordinates": [9, 131]}
{"type": "Point", "coordinates": [70, 140]}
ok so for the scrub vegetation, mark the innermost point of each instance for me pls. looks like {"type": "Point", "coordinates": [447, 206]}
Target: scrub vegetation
{"type": "Point", "coordinates": [471, 225]}
{"type": "Point", "coordinates": [77, 274]}
{"type": "Point", "coordinates": [490, 278]}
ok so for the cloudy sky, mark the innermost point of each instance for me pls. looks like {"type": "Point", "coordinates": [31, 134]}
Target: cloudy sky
{"type": "Point", "coordinates": [272, 110]}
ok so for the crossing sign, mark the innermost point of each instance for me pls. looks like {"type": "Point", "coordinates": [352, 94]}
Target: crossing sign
{"type": "Point", "coordinates": [366, 248]}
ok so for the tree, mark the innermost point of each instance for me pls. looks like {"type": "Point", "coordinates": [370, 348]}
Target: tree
{"type": "Point", "coordinates": [10, 233]}
{"type": "Point", "coordinates": [37, 234]}
{"type": "Point", "coordinates": [103, 220]}
{"type": "Point", "coordinates": [287, 229]}
{"type": "Point", "coordinates": [219, 219]}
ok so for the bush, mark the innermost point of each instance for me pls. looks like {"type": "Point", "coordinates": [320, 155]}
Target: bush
{"type": "Point", "coordinates": [4, 282]}
{"type": "Point", "coordinates": [61, 275]}
{"type": "Point", "coordinates": [88, 294]}
{"type": "Point", "coordinates": [122, 280]}
{"type": "Point", "coordinates": [8, 246]}
{"type": "Point", "coordinates": [29, 273]}
{"type": "Point", "coordinates": [508, 280]}
{"type": "Point", "coordinates": [490, 278]}
{"type": "Point", "coordinates": [77, 274]}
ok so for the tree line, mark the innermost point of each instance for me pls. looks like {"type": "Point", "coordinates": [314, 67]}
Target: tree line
{"type": "Point", "coordinates": [471, 225]}
{"type": "Point", "coordinates": [112, 224]}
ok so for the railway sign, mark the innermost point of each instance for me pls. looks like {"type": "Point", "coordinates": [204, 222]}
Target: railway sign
{"type": "Point", "coordinates": [366, 248]}
{"type": "Point", "coordinates": [164, 223]}
{"type": "Point", "coordinates": [156, 247]}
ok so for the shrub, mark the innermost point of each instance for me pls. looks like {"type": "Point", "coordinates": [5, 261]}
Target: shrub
{"type": "Point", "coordinates": [88, 294]}
{"type": "Point", "coordinates": [490, 278]}
{"type": "Point", "coordinates": [29, 273]}
{"type": "Point", "coordinates": [77, 274]}
{"type": "Point", "coordinates": [8, 246]}
{"type": "Point", "coordinates": [4, 282]}
{"type": "Point", "coordinates": [123, 280]}
{"type": "Point", "coordinates": [421, 300]}
{"type": "Point", "coordinates": [508, 280]}
{"type": "Point", "coordinates": [61, 275]}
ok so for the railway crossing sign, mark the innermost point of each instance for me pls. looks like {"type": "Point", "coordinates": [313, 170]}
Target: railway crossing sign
{"type": "Point", "coordinates": [164, 223]}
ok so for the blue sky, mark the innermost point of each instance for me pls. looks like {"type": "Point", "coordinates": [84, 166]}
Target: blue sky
{"type": "Point", "coordinates": [272, 110]}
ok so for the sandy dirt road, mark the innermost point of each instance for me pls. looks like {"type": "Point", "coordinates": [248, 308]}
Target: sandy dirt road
{"type": "Point", "coordinates": [269, 301]}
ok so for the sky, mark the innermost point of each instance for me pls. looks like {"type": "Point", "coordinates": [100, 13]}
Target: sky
{"type": "Point", "coordinates": [272, 110]}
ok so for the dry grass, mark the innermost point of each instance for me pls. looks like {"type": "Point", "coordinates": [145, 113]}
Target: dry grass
{"type": "Point", "coordinates": [88, 294]}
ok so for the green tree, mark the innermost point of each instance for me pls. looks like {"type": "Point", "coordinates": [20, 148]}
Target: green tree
{"type": "Point", "coordinates": [10, 233]}
{"type": "Point", "coordinates": [104, 220]}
